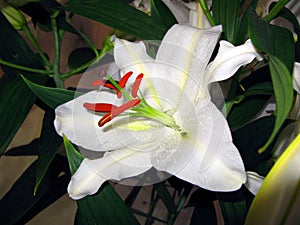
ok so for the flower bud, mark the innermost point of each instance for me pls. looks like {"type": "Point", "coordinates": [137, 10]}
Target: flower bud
{"type": "Point", "coordinates": [14, 16]}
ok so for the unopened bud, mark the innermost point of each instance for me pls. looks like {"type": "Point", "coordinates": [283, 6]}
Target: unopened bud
{"type": "Point", "coordinates": [14, 16]}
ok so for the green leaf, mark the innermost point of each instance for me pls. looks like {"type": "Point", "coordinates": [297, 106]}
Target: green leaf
{"type": "Point", "coordinates": [165, 196]}
{"type": "Point", "coordinates": [283, 88]}
{"type": "Point", "coordinates": [278, 44]}
{"type": "Point", "coordinates": [161, 12]}
{"type": "Point", "coordinates": [79, 57]}
{"type": "Point", "coordinates": [250, 137]}
{"type": "Point", "coordinates": [20, 203]}
{"type": "Point", "coordinates": [119, 15]}
{"type": "Point", "coordinates": [15, 98]}
{"type": "Point", "coordinates": [246, 110]}
{"type": "Point", "coordinates": [227, 14]}
{"type": "Point", "coordinates": [16, 101]}
{"type": "Point", "coordinates": [104, 208]}
{"type": "Point", "coordinates": [52, 97]}
{"type": "Point", "coordinates": [272, 40]}
{"type": "Point", "coordinates": [50, 142]}
{"type": "Point", "coordinates": [277, 201]}
{"type": "Point", "coordinates": [74, 157]}
{"type": "Point", "coordinates": [205, 214]}
{"type": "Point", "coordinates": [234, 207]}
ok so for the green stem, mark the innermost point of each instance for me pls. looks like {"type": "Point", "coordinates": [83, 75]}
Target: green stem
{"type": "Point", "coordinates": [206, 11]}
{"type": "Point", "coordinates": [58, 81]}
{"type": "Point", "coordinates": [36, 46]}
{"type": "Point", "coordinates": [28, 69]}
{"type": "Point", "coordinates": [275, 10]}
{"type": "Point", "coordinates": [86, 65]}
{"type": "Point", "coordinates": [89, 43]}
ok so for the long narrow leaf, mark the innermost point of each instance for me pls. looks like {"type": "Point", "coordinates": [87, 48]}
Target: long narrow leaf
{"type": "Point", "coordinates": [119, 15]}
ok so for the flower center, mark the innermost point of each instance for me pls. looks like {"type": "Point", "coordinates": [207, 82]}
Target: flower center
{"type": "Point", "coordinates": [135, 106]}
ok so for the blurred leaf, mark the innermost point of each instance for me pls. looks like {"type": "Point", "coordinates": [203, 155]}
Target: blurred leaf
{"type": "Point", "coordinates": [119, 15]}
{"type": "Point", "coordinates": [161, 12]}
{"type": "Point", "coordinates": [50, 141]}
{"type": "Point", "coordinates": [52, 97]}
{"type": "Point", "coordinates": [106, 207]}
{"type": "Point", "coordinates": [28, 149]}
{"type": "Point", "coordinates": [243, 112]}
{"type": "Point", "coordinates": [79, 57]}
{"type": "Point", "coordinates": [277, 201]}
{"type": "Point", "coordinates": [283, 88]}
{"type": "Point", "coordinates": [19, 200]}
{"type": "Point", "coordinates": [272, 40]}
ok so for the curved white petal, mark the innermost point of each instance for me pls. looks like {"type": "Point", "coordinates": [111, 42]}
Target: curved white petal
{"type": "Point", "coordinates": [180, 12]}
{"type": "Point", "coordinates": [229, 59]}
{"type": "Point", "coordinates": [182, 59]}
{"type": "Point", "coordinates": [296, 77]}
{"type": "Point", "coordinates": [81, 126]}
{"type": "Point", "coordinates": [254, 182]}
{"type": "Point", "coordinates": [206, 156]}
{"type": "Point", "coordinates": [184, 52]}
{"type": "Point", "coordinates": [132, 56]}
{"type": "Point", "coordinates": [115, 165]}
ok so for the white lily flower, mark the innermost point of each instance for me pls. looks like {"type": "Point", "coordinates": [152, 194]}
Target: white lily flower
{"type": "Point", "coordinates": [188, 13]}
{"type": "Point", "coordinates": [170, 124]}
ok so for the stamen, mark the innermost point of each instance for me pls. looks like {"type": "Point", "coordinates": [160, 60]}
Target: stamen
{"type": "Point", "coordinates": [136, 85]}
{"type": "Point", "coordinates": [117, 111]}
{"type": "Point", "coordinates": [99, 107]}
{"type": "Point", "coordinates": [123, 82]}
{"type": "Point", "coordinates": [104, 83]}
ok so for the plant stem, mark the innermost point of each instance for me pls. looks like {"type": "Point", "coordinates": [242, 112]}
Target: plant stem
{"type": "Point", "coordinates": [24, 68]}
{"type": "Point", "coordinates": [37, 47]}
{"type": "Point", "coordinates": [58, 81]}
{"type": "Point", "coordinates": [206, 11]}
{"type": "Point", "coordinates": [77, 70]}
{"type": "Point", "coordinates": [275, 10]}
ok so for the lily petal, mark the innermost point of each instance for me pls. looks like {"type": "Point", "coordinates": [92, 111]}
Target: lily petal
{"type": "Point", "coordinates": [254, 182]}
{"type": "Point", "coordinates": [187, 51]}
{"type": "Point", "coordinates": [203, 157]}
{"type": "Point", "coordinates": [229, 59]}
{"type": "Point", "coordinates": [182, 59]}
{"type": "Point", "coordinates": [115, 165]}
{"type": "Point", "coordinates": [296, 77]}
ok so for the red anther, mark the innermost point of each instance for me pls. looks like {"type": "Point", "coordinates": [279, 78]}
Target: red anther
{"type": "Point", "coordinates": [117, 111]}
{"type": "Point", "coordinates": [104, 84]}
{"type": "Point", "coordinates": [98, 82]}
{"type": "Point", "coordinates": [123, 82]}
{"type": "Point", "coordinates": [136, 85]}
{"type": "Point", "coordinates": [99, 107]}
{"type": "Point", "coordinates": [105, 119]}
